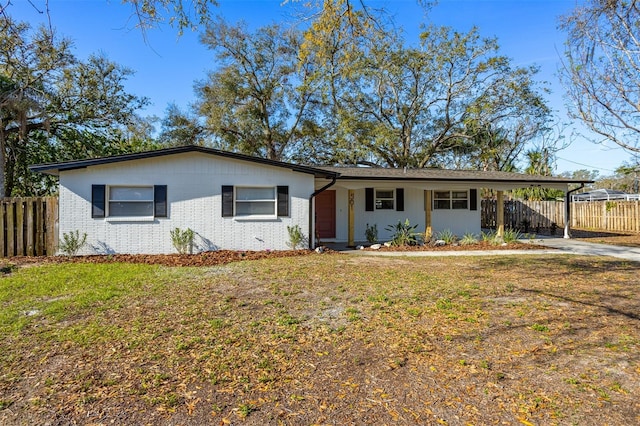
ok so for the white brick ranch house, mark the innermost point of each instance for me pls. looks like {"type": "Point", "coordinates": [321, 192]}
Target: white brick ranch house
{"type": "Point", "coordinates": [130, 203]}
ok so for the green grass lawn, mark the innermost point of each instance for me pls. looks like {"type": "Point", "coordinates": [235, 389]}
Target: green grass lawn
{"type": "Point", "coordinates": [323, 339]}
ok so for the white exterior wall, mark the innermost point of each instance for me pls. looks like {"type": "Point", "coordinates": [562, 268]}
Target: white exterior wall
{"type": "Point", "coordinates": [458, 221]}
{"type": "Point", "coordinates": [194, 185]}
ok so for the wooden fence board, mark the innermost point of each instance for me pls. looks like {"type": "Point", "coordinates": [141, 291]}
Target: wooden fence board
{"type": "Point", "coordinates": [28, 226]}
{"type": "Point", "coordinates": [19, 206]}
{"type": "Point", "coordinates": [614, 216]}
{"type": "Point", "coordinates": [51, 225]}
{"type": "Point", "coordinates": [39, 227]}
{"type": "Point", "coordinates": [2, 230]}
{"type": "Point", "coordinates": [10, 232]}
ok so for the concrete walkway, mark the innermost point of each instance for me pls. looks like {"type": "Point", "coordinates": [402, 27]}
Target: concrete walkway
{"type": "Point", "coordinates": [556, 245]}
{"type": "Point", "coordinates": [582, 247]}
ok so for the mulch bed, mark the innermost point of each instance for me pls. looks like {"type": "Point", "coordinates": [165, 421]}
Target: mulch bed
{"type": "Point", "coordinates": [210, 258]}
{"type": "Point", "coordinates": [481, 245]}
{"type": "Point", "coordinates": [221, 257]}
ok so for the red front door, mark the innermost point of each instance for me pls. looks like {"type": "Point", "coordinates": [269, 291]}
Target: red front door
{"type": "Point", "coordinates": [326, 214]}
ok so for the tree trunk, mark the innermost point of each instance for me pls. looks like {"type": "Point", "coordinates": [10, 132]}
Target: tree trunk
{"type": "Point", "coordinates": [2, 158]}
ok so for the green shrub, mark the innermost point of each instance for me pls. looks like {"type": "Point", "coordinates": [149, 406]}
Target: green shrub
{"type": "Point", "coordinates": [182, 240]}
{"type": "Point", "coordinates": [296, 237]}
{"type": "Point", "coordinates": [490, 237]}
{"type": "Point", "coordinates": [447, 236]}
{"type": "Point", "coordinates": [403, 234]}
{"type": "Point", "coordinates": [511, 235]}
{"type": "Point", "coordinates": [468, 239]}
{"type": "Point", "coordinates": [371, 233]}
{"type": "Point", "coordinates": [72, 242]}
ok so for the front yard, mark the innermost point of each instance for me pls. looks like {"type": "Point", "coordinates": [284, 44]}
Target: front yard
{"type": "Point", "coordinates": [323, 339]}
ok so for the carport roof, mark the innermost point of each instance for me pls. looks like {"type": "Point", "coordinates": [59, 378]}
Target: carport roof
{"type": "Point", "coordinates": [436, 175]}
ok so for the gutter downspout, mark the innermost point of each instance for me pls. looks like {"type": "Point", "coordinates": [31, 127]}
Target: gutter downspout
{"type": "Point", "coordinates": [312, 211]}
{"type": "Point", "coordinates": [567, 210]}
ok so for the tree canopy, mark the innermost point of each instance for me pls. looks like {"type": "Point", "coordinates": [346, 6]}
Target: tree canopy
{"type": "Point", "coordinates": [258, 100]}
{"type": "Point", "coordinates": [55, 107]}
{"type": "Point", "coordinates": [351, 90]}
{"type": "Point", "coordinates": [601, 71]}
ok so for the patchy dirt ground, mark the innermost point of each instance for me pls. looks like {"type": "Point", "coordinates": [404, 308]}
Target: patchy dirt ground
{"type": "Point", "coordinates": [620, 239]}
{"type": "Point", "coordinates": [337, 340]}
{"type": "Point", "coordinates": [222, 257]}
{"type": "Point", "coordinates": [211, 258]}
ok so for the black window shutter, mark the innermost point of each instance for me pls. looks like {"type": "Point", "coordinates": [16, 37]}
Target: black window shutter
{"type": "Point", "coordinates": [160, 200]}
{"type": "Point", "coordinates": [283, 201]}
{"type": "Point", "coordinates": [473, 199]}
{"type": "Point", "coordinates": [98, 200]}
{"type": "Point", "coordinates": [400, 199]}
{"type": "Point", "coordinates": [227, 201]}
{"type": "Point", "coordinates": [368, 199]}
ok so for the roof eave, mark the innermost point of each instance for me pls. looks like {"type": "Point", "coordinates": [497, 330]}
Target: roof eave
{"type": "Point", "coordinates": [462, 179]}
{"type": "Point", "coordinates": [54, 169]}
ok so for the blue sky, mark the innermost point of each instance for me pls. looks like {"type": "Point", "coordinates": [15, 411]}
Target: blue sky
{"type": "Point", "coordinates": [167, 66]}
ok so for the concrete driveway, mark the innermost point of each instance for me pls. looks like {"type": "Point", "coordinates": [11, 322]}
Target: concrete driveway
{"type": "Point", "coordinates": [554, 245]}
{"type": "Point", "coordinates": [570, 245]}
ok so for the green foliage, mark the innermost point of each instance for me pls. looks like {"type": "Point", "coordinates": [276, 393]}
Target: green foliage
{"type": "Point", "coordinates": [182, 240]}
{"type": "Point", "coordinates": [403, 234]}
{"type": "Point", "coordinates": [468, 239]}
{"type": "Point", "coordinates": [371, 233]}
{"type": "Point", "coordinates": [181, 15]}
{"type": "Point", "coordinates": [490, 237]}
{"type": "Point", "coordinates": [296, 238]}
{"type": "Point", "coordinates": [447, 236]}
{"type": "Point", "coordinates": [181, 128]}
{"type": "Point", "coordinates": [72, 242]}
{"type": "Point", "coordinates": [511, 235]}
{"type": "Point", "coordinates": [73, 108]}
{"type": "Point", "coordinates": [395, 106]}
{"type": "Point", "coordinates": [539, 327]}
{"type": "Point", "coordinates": [600, 69]}
{"type": "Point", "coordinates": [258, 103]}
{"type": "Point", "coordinates": [58, 291]}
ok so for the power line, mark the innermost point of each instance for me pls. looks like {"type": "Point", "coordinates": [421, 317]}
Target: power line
{"type": "Point", "coordinates": [585, 165]}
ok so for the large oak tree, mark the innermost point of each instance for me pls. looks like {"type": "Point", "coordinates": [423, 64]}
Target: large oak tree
{"type": "Point", "coordinates": [55, 107]}
{"type": "Point", "coordinates": [602, 69]}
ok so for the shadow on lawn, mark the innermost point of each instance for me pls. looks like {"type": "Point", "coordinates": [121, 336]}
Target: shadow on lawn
{"type": "Point", "coordinates": [564, 262]}
{"type": "Point", "coordinates": [629, 311]}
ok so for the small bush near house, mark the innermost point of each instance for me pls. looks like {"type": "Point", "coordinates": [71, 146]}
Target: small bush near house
{"type": "Point", "coordinates": [296, 237]}
{"type": "Point", "coordinates": [72, 242]}
{"type": "Point", "coordinates": [511, 235]}
{"type": "Point", "coordinates": [447, 236]}
{"type": "Point", "coordinates": [468, 239]}
{"type": "Point", "coordinates": [490, 237]}
{"type": "Point", "coordinates": [403, 234]}
{"type": "Point", "coordinates": [371, 233]}
{"type": "Point", "coordinates": [182, 240]}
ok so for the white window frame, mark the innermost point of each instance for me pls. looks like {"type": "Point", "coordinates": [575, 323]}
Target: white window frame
{"type": "Point", "coordinates": [273, 201]}
{"type": "Point", "coordinates": [109, 214]}
{"type": "Point", "coordinates": [379, 200]}
{"type": "Point", "coordinates": [452, 203]}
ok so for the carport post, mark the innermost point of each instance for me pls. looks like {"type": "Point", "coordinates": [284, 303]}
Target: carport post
{"type": "Point", "coordinates": [567, 211]}
{"type": "Point", "coordinates": [427, 215]}
{"type": "Point", "coordinates": [500, 214]}
{"type": "Point", "coordinates": [351, 219]}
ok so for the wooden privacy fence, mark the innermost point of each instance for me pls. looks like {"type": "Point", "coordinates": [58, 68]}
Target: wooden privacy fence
{"type": "Point", "coordinates": [616, 216]}
{"type": "Point", "coordinates": [28, 226]}
{"type": "Point", "coordinates": [538, 214]}
{"type": "Point", "coordinates": [619, 216]}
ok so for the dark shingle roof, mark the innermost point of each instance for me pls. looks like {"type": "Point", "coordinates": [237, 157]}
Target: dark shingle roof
{"type": "Point", "coordinates": [372, 173]}
{"type": "Point", "coordinates": [342, 173]}
{"type": "Point", "coordinates": [56, 168]}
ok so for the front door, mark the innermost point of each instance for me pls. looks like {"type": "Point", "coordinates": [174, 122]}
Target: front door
{"type": "Point", "coordinates": [326, 214]}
